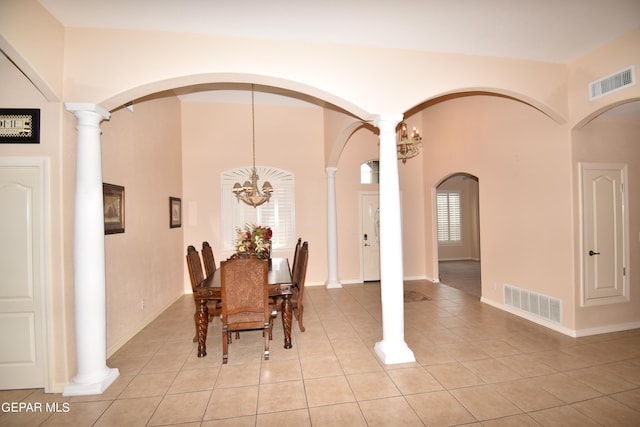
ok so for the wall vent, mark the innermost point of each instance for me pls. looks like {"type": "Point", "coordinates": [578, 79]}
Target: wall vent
{"type": "Point", "coordinates": [612, 83]}
{"type": "Point", "coordinates": [542, 306]}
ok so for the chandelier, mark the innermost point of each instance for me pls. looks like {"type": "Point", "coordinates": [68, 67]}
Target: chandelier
{"type": "Point", "coordinates": [249, 192]}
{"type": "Point", "coordinates": [408, 146]}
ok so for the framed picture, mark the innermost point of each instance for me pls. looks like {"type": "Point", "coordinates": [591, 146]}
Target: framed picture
{"type": "Point", "coordinates": [19, 126]}
{"type": "Point", "coordinates": [175, 212]}
{"type": "Point", "coordinates": [113, 196]}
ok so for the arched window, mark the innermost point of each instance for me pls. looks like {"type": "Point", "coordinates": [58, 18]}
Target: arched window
{"type": "Point", "coordinates": [278, 213]}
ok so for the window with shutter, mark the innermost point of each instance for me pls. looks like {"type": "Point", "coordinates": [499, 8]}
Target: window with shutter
{"type": "Point", "coordinates": [449, 211]}
{"type": "Point", "coordinates": [278, 213]}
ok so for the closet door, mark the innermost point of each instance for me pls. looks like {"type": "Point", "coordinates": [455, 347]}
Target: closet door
{"type": "Point", "coordinates": [21, 282]}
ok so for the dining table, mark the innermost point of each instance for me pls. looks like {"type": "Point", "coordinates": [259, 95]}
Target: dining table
{"type": "Point", "coordinates": [279, 283]}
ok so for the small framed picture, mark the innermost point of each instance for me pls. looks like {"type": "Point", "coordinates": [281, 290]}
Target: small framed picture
{"type": "Point", "coordinates": [19, 126]}
{"type": "Point", "coordinates": [175, 212]}
{"type": "Point", "coordinates": [113, 197]}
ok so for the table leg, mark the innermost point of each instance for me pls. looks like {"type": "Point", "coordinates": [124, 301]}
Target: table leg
{"type": "Point", "coordinates": [286, 319]}
{"type": "Point", "coordinates": [202, 323]}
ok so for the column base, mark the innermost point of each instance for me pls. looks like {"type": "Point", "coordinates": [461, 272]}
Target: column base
{"type": "Point", "coordinates": [394, 352]}
{"type": "Point", "coordinates": [333, 285]}
{"type": "Point", "coordinates": [98, 387]}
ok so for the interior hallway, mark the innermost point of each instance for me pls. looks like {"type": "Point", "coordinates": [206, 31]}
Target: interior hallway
{"type": "Point", "coordinates": [463, 275]}
{"type": "Point", "coordinates": [476, 365]}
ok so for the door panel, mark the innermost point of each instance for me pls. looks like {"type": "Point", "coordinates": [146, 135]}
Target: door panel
{"type": "Point", "coordinates": [370, 237]}
{"type": "Point", "coordinates": [21, 330]}
{"type": "Point", "coordinates": [604, 244]}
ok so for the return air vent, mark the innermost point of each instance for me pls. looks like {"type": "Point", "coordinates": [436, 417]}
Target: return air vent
{"type": "Point", "coordinates": [612, 83]}
{"type": "Point", "coordinates": [543, 306]}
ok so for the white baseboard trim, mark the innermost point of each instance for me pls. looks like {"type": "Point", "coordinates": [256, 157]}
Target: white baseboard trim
{"type": "Point", "coordinates": [574, 333]}
{"type": "Point", "coordinates": [423, 277]}
{"type": "Point", "coordinates": [534, 319]}
{"type": "Point", "coordinates": [607, 329]}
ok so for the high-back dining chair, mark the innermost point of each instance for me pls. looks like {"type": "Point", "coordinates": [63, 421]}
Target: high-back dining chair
{"type": "Point", "coordinates": [195, 266]}
{"type": "Point", "coordinates": [294, 266]}
{"type": "Point", "coordinates": [245, 298]}
{"type": "Point", "coordinates": [298, 279]}
{"type": "Point", "coordinates": [208, 259]}
{"type": "Point", "coordinates": [196, 276]}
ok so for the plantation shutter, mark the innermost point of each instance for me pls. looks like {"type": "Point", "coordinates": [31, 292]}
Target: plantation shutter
{"type": "Point", "coordinates": [278, 213]}
{"type": "Point", "coordinates": [449, 212]}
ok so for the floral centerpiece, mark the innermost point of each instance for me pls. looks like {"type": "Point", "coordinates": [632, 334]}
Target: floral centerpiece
{"type": "Point", "coordinates": [254, 239]}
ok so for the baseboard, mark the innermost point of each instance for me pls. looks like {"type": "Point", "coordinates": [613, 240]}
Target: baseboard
{"type": "Point", "coordinates": [534, 319]}
{"type": "Point", "coordinates": [607, 329]}
{"type": "Point", "coordinates": [573, 333]}
{"type": "Point", "coordinates": [423, 277]}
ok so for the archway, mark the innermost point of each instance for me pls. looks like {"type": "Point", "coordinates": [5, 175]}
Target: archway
{"type": "Point", "coordinates": [458, 225]}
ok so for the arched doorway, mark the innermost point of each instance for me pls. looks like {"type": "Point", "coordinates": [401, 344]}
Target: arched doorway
{"type": "Point", "coordinates": [458, 226]}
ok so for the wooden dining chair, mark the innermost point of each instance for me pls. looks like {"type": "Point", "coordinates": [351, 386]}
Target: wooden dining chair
{"type": "Point", "coordinates": [208, 259]}
{"type": "Point", "coordinates": [195, 266]}
{"type": "Point", "coordinates": [245, 299]}
{"type": "Point", "coordinates": [294, 266]}
{"type": "Point", "coordinates": [298, 284]}
{"type": "Point", "coordinates": [196, 276]}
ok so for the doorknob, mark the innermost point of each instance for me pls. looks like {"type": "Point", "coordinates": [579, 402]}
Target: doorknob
{"type": "Point", "coordinates": [591, 253]}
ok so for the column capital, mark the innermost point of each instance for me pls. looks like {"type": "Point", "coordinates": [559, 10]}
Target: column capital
{"type": "Point", "coordinates": [79, 107]}
{"type": "Point", "coordinates": [388, 119]}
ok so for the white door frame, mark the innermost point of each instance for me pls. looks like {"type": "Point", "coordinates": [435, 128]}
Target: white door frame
{"type": "Point", "coordinates": [42, 164]}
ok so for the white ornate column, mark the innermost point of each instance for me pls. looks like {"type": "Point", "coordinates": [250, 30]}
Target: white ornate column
{"type": "Point", "coordinates": [392, 348]}
{"type": "Point", "coordinates": [93, 376]}
{"type": "Point", "coordinates": [332, 230]}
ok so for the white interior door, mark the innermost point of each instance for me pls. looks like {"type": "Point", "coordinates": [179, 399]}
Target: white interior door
{"type": "Point", "coordinates": [603, 250]}
{"type": "Point", "coordinates": [21, 243]}
{"type": "Point", "coordinates": [370, 203]}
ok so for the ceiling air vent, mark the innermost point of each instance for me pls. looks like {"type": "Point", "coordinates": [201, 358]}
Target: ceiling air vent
{"type": "Point", "coordinates": [612, 83]}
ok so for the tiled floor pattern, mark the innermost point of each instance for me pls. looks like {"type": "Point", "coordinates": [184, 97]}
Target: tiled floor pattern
{"type": "Point", "coordinates": [475, 365]}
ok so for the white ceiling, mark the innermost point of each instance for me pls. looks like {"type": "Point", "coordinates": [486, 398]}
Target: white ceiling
{"type": "Point", "coordinates": [546, 30]}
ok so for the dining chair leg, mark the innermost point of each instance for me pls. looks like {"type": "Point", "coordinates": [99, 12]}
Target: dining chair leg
{"type": "Point", "coordinates": [225, 346]}
{"type": "Point", "coordinates": [298, 312]}
{"type": "Point", "coordinates": [266, 334]}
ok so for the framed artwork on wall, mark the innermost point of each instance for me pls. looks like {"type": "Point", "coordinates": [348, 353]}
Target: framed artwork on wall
{"type": "Point", "coordinates": [175, 212]}
{"type": "Point", "coordinates": [113, 196]}
{"type": "Point", "coordinates": [19, 126]}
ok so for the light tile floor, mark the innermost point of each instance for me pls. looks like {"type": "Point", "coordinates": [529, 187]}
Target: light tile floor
{"type": "Point", "coordinates": [475, 365]}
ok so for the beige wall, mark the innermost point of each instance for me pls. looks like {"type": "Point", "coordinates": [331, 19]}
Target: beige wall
{"type": "Point", "coordinates": [217, 137]}
{"type": "Point", "coordinates": [522, 153]}
{"type": "Point", "coordinates": [142, 151]}
{"type": "Point", "coordinates": [610, 140]}
{"type": "Point", "coordinates": [522, 160]}
{"type": "Point", "coordinates": [469, 247]}
{"type": "Point", "coordinates": [17, 92]}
